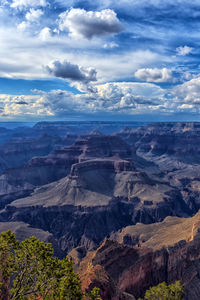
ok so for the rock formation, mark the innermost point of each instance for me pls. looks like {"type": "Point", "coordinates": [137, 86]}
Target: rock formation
{"type": "Point", "coordinates": [161, 256]}
{"type": "Point", "coordinates": [45, 169]}
{"type": "Point", "coordinates": [138, 188]}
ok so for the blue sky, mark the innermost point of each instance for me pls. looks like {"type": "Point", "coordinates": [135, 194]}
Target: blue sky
{"type": "Point", "coordinates": [103, 59]}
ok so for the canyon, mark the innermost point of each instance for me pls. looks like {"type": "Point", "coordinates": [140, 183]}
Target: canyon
{"type": "Point", "coordinates": [122, 204]}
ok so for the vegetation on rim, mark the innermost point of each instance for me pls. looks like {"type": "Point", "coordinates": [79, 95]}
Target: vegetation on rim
{"type": "Point", "coordinates": [28, 270]}
{"type": "Point", "coordinates": [163, 291]}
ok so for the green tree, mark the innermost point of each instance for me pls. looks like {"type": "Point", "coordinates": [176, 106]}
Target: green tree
{"type": "Point", "coordinates": [163, 291]}
{"type": "Point", "coordinates": [30, 271]}
{"type": "Point", "coordinates": [8, 244]}
{"type": "Point", "coordinates": [93, 294]}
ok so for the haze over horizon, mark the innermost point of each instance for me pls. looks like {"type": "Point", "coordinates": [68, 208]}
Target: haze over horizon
{"type": "Point", "coordinates": [99, 60]}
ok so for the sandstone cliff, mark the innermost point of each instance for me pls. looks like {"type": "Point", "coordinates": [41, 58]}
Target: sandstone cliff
{"type": "Point", "coordinates": [134, 269]}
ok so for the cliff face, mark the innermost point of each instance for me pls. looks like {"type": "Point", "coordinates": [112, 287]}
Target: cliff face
{"type": "Point", "coordinates": [18, 151]}
{"type": "Point", "coordinates": [103, 193]}
{"type": "Point", "coordinates": [162, 234]}
{"type": "Point", "coordinates": [173, 139]}
{"type": "Point", "coordinates": [101, 187]}
{"type": "Point", "coordinates": [168, 165]}
{"type": "Point", "coordinates": [45, 169]}
{"type": "Point", "coordinates": [111, 165]}
{"type": "Point", "coordinates": [135, 269]}
{"type": "Point", "coordinates": [98, 197]}
{"type": "Point", "coordinates": [173, 153]}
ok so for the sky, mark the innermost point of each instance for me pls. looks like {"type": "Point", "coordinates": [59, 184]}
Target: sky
{"type": "Point", "coordinates": [99, 60]}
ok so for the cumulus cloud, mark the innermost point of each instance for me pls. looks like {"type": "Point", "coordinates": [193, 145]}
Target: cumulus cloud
{"type": "Point", "coordinates": [59, 102]}
{"type": "Point", "coordinates": [111, 98]}
{"type": "Point", "coordinates": [140, 49]}
{"type": "Point", "coordinates": [182, 51]}
{"type": "Point", "coordinates": [73, 72]}
{"type": "Point", "coordinates": [23, 26]}
{"type": "Point", "coordinates": [54, 103]}
{"type": "Point", "coordinates": [189, 91]}
{"type": "Point", "coordinates": [154, 75]}
{"type": "Point", "coordinates": [114, 98]}
{"type": "Point", "coordinates": [127, 97]}
{"type": "Point", "coordinates": [34, 14]}
{"type": "Point", "coordinates": [12, 105]}
{"type": "Point", "coordinates": [132, 53]}
{"type": "Point", "coordinates": [28, 3]}
{"type": "Point", "coordinates": [45, 34]}
{"type": "Point", "coordinates": [30, 55]}
{"type": "Point", "coordinates": [87, 24]}
{"type": "Point", "coordinates": [117, 97]}
{"type": "Point", "coordinates": [186, 107]}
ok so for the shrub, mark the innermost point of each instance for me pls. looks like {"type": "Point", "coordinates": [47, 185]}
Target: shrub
{"type": "Point", "coordinates": [28, 270]}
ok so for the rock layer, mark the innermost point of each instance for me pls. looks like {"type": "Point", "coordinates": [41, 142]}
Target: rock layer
{"type": "Point", "coordinates": [45, 169]}
{"type": "Point", "coordinates": [135, 269]}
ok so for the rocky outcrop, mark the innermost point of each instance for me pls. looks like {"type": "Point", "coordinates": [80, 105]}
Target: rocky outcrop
{"type": "Point", "coordinates": [135, 269]}
{"type": "Point", "coordinates": [177, 139]}
{"type": "Point", "coordinates": [45, 169]}
{"type": "Point", "coordinates": [173, 154]}
{"type": "Point", "coordinates": [113, 165]}
{"type": "Point", "coordinates": [158, 235]}
{"type": "Point", "coordinates": [102, 187]}
{"type": "Point", "coordinates": [98, 182]}
{"type": "Point", "coordinates": [99, 196]}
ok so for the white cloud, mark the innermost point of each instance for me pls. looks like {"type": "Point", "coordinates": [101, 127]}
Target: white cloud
{"type": "Point", "coordinates": [123, 97]}
{"type": "Point", "coordinates": [186, 106]}
{"type": "Point", "coordinates": [43, 104]}
{"type": "Point", "coordinates": [154, 75]}
{"type": "Point", "coordinates": [31, 52]}
{"type": "Point", "coordinates": [188, 91]}
{"type": "Point", "coordinates": [114, 98]}
{"type": "Point", "coordinates": [110, 45]}
{"type": "Point", "coordinates": [23, 26]}
{"type": "Point", "coordinates": [10, 106]}
{"type": "Point", "coordinates": [59, 102]}
{"type": "Point", "coordinates": [182, 51]}
{"type": "Point", "coordinates": [34, 15]}
{"type": "Point", "coordinates": [87, 24]}
{"type": "Point", "coordinates": [115, 67]}
{"type": "Point", "coordinates": [117, 90]}
{"type": "Point", "coordinates": [45, 34]}
{"type": "Point", "coordinates": [34, 45]}
{"type": "Point", "coordinates": [28, 3]}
